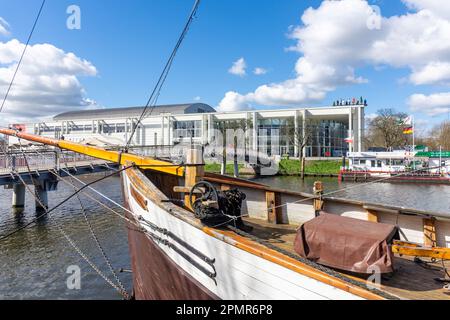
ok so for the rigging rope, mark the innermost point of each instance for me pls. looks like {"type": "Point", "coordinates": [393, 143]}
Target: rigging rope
{"type": "Point", "coordinates": [162, 78]}
{"type": "Point", "coordinates": [96, 240]}
{"type": "Point", "coordinates": [23, 54]}
{"type": "Point", "coordinates": [64, 201]}
{"type": "Point", "coordinates": [119, 288]}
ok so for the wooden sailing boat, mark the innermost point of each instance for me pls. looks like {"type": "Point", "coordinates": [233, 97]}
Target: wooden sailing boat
{"type": "Point", "coordinates": [188, 239]}
{"type": "Point", "coordinates": [175, 255]}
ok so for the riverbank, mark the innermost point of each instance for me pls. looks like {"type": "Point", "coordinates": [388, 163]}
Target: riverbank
{"type": "Point", "coordinates": [216, 167]}
{"type": "Point", "coordinates": [291, 167]}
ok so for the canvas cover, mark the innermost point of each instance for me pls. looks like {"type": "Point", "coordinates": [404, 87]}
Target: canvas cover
{"type": "Point", "coordinates": [347, 244]}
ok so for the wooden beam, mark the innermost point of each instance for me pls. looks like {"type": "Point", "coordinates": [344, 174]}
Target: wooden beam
{"type": "Point", "coordinates": [193, 173]}
{"type": "Point", "coordinates": [429, 232]}
{"type": "Point", "coordinates": [372, 216]}
{"type": "Point", "coordinates": [437, 253]}
{"type": "Point", "coordinates": [318, 202]}
{"type": "Point", "coordinates": [274, 212]}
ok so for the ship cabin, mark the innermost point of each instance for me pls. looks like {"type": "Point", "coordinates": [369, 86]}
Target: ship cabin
{"type": "Point", "coordinates": [382, 162]}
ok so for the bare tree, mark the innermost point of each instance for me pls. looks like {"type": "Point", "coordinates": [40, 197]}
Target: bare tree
{"type": "Point", "coordinates": [440, 136]}
{"type": "Point", "coordinates": [235, 125]}
{"type": "Point", "coordinates": [386, 129]}
{"type": "Point", "coordinates": [301, 136]}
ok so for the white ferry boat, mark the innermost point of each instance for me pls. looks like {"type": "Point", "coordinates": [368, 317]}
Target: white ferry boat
{"type": "Point", "coordinates": [398, 165]}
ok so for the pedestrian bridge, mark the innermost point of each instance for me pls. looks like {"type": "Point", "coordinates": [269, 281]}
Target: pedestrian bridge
{"type": "Point", "coordinates": [38, 168]}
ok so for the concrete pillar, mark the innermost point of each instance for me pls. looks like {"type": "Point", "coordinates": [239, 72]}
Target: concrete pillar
{"type": "Point", "coordinates": [350, 129]}
{"type": "Point", "coordinates": [296, 142]}
{"type": "Point", "coordinates": [360, 128]}
{"type": "Point", "coordinates": [255, 131]}
{"type": "Point", "coordinates": [42, 195]}
{"type": "Point", "coordinates": [304, 131]}
{"type": "Point", "coordinates": [18, 199]}
{"type": "Point", "coordinates": [163, 134]}
{"type": "Point", "coordinates": [210, 127]}
{"type": "Point", "coordinates": [247, 136]}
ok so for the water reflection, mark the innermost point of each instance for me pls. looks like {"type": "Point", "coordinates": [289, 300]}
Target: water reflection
{"type": "Point", "coordinates": [430, 197]}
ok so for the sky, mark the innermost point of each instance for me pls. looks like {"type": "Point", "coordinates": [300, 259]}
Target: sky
{"type": "Point", "coordinates": [238, 55]}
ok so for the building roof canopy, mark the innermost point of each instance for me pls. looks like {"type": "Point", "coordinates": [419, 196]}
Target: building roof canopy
{"type": "Point", "coordinates": [133, 112]}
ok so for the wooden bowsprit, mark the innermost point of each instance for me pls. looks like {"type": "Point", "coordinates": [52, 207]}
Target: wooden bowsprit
{"type": "Point", "coordinates": [121, 158]}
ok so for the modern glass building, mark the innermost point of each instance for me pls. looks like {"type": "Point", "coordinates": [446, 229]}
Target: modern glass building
{"type": "Point", "coordinates": [323, 131]}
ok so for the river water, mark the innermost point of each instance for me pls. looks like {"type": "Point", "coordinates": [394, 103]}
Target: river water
{"type": "Point", "coordinates": [34, 262]}
{"type": "Point", "coordinates": [428, 197]}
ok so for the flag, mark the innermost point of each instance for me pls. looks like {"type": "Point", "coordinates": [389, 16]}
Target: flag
{"type": "Point", "coordinates": [408, 121]}
{"type": "Point", "coordinates": [348, 140]}
{"type": "Point", "coordinates": [408, 130]}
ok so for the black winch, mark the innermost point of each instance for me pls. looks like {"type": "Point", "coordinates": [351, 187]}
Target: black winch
{"type": "Point", "coordinates": [217, 208]}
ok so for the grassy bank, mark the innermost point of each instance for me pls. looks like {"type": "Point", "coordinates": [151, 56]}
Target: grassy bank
{"type": "Point", "coordinates": [292, 167]}
{"type": "Point", "coordinates": [215, 168]}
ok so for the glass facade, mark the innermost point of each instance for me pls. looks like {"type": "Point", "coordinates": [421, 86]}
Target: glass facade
{"type": "Point", "coordinates": [328, 140]}
{"type": "Point", "coordinates": [276, 136]}
{"type": "Point", "coordinates": [324, 138]}
{"type": "Point", "coordinates": [187, 129]}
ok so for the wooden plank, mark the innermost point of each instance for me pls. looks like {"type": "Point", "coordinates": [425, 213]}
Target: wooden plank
{"type": "Point", "coordinates": [273, 207]}
{"type": "Point", "coordinates": [429, 232]}
{"type": "Point", "coordinates": [141, 201]}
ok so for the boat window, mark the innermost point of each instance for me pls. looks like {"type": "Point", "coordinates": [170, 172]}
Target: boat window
{"type": "Point", "coordinates": [373, 163]}
{"type": "Point", "coordinates": [356, 161]}
{"type": "Point", "coordinates": [379, 163]}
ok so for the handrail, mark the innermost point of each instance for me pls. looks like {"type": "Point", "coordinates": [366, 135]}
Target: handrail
{"type": "Point", "coordinates": [100, 153]}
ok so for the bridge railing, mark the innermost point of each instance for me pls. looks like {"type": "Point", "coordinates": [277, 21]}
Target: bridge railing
{"type": "Point", "coordinates": [42, 160]}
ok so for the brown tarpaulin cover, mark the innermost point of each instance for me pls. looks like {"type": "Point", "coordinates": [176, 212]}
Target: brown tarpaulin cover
{"type": "Point", "coordinates": [347, 244]}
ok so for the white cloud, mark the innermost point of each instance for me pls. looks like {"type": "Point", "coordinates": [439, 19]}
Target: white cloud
{"type": "Point", "coordinates": [197, 98]}
{"type": "Point", "coordinates": [433, 105]}
{"type": "Point", "coordinates": [47, 82]}
{"type": "Point", "coordinates": [335, 40]}
{"type": "Point", "coordinates": [432, 73]}
{"type": "Point", "coordinates": [238, 68]}
{"type": "Point", "coordinates": [259, 71]}
{"type": "Point", "coordinates": [4, 27]}
{"type": "Point", "coordinates": [436, 6]}
{"type": "Point", "coordinates": [234, 101]}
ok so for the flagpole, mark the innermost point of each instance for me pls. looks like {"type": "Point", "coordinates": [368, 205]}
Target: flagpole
{"type": "Point", "coordinates": [414, 142]}
{"type": "Point", "coordinates": [414, 133]}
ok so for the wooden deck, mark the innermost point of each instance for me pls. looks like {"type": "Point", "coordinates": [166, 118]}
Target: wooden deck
{"type": "Point", "coordinates": [411, 280]}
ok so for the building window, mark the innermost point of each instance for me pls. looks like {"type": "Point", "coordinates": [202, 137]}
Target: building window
{"type": "Point", "coordinates": [187, 129]}
{"type": "Point", "coordinates": [120, 127]}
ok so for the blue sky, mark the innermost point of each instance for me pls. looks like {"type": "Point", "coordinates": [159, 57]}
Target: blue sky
{"type": "Point", "coordinates": [128, 42]}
